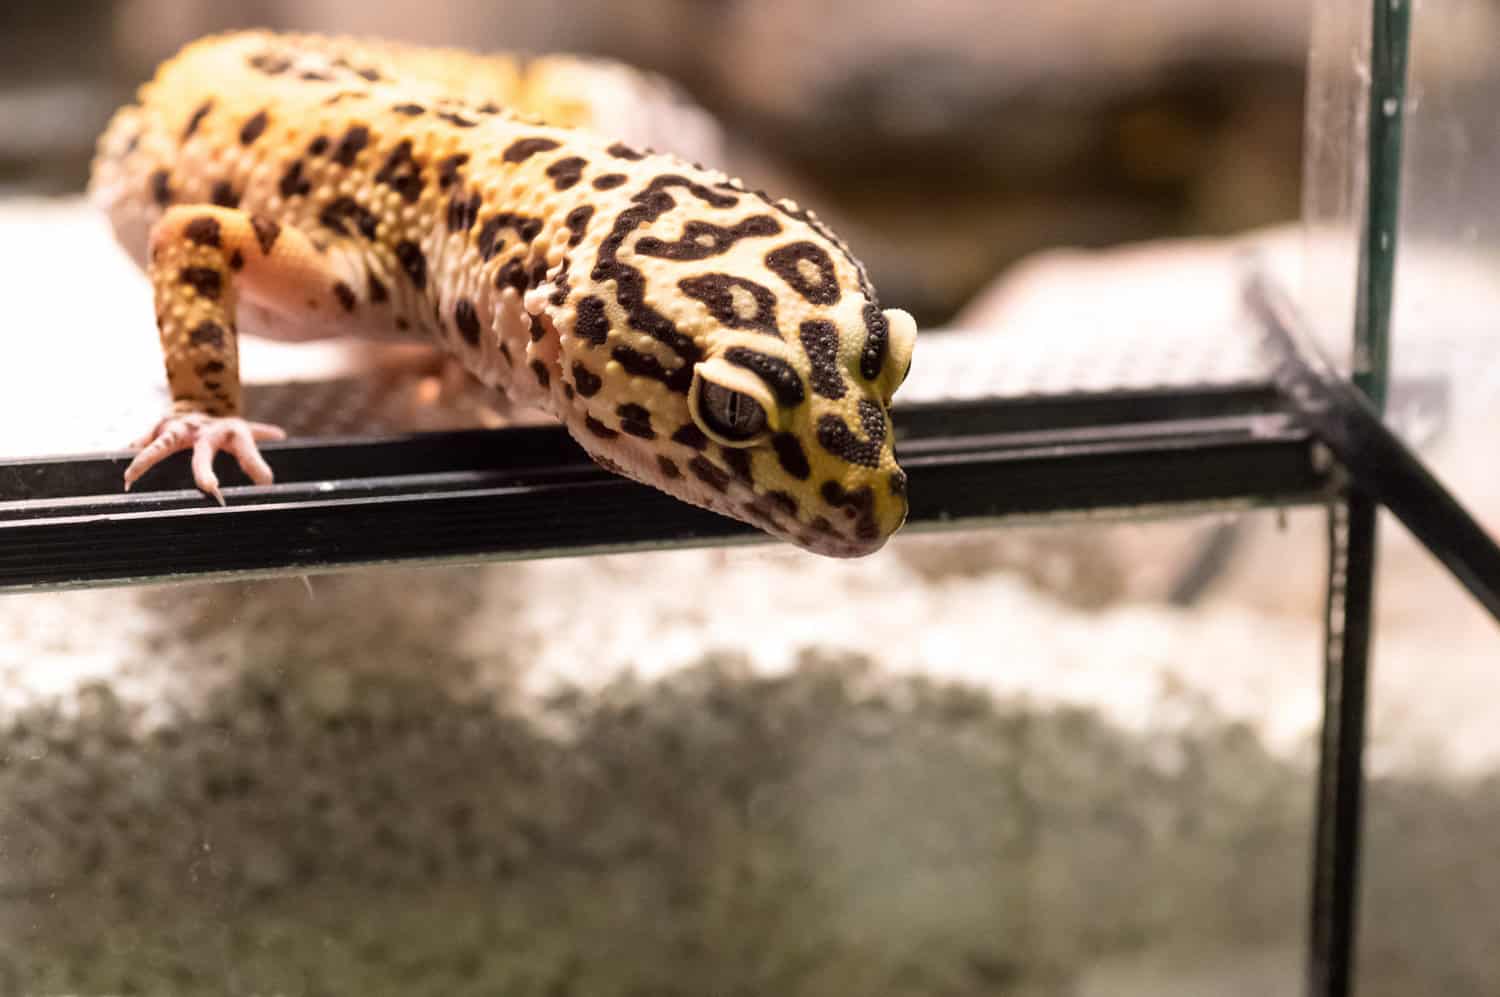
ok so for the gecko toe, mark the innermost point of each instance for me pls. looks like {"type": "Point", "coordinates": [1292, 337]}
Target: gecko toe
{"type": "Point", "coordinates": [241, 443]}
{"type": "Point", "coordinates": [206, 436]}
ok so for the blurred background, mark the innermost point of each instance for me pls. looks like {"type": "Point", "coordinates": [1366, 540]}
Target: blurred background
{"type": "Point", "coordinates": [945, 141]}
{"type": "Point", "coordinates": [1069, 760]}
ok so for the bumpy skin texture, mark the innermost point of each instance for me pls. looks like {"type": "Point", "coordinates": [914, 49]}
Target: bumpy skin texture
{"type": "Point", "coordinates": [691, 334]}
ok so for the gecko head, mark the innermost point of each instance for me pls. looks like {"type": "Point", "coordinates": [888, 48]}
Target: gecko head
{"type": "Point", "coordinates": [729, 350]}
{"type": "Point", "coordinates": [791, 434]}
{"type": "Point", "coordinates": [802, 427]}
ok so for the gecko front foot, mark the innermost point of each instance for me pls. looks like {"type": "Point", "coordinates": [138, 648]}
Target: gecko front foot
{"type": "Point", "coordinates": [205, 435]}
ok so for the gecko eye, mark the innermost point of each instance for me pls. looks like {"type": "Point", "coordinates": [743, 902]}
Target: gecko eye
{"type": "Point", "coordinates": [731, 415]}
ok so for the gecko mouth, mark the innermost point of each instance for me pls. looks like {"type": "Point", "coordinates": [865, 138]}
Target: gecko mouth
{"type": "Point", "coordinates": [849, 530]}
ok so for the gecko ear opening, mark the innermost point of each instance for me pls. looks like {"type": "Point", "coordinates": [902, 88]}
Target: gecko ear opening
{"type": "Point", "coordinates": [903, 340]}
{"type": "Point", "coordinates": [730, 404]}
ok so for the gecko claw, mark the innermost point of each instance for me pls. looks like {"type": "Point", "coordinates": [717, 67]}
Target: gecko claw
{"type": "Point", "coordinates": [205, 436]}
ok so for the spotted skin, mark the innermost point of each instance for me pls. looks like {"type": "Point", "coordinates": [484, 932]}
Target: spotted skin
{"type": "Point", "coordinates": [298, 187]}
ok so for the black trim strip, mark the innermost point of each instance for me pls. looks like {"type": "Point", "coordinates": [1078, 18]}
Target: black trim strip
{"type": "Point", "coordinates": [531, 492]}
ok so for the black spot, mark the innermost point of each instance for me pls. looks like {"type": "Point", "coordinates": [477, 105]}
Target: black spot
{"type": "Point", "coordinates": [409, 255]}
{"type": "Point", "coordinates": [538, 274]}
{"type": "Point", "coordinates": [456, 119]}
{"type": "Point", "coordinates": [562, 286]}
{"type": "Point", "coordinates": [254, 128]}
{"type": "Point", "coordinates": [344, 94]}
{"type": "Point", "coordinates": [691, 436]}
{"type": "Point", "coordinates": [630, 284]}
{"type": "Point", "coordinates": [208, 333]}
{"type": "Point", "coordinates": [466, 318]}
{"type": "Point", "coordinates": [785, 500]}
{"type": "Point", "coordinates": [760, 512]}
{"type": "Point", "coordinates": [835, 436]}
{"type": "Point", "coordinates": [402, 173]}
{"type": "Point", "coordinates": [236, 260]}
{"type": "Point", "coordinates": [778, 375]}
{"type": "Point", "coordinates": [609, 181]}
{"type": "Point", "coordinates": [592, 323]}
{"type": "Point", "coordinates": [858, 505]}
{"type": "Point", "coordinates": [568, 391]}
{"type": "Point", "coordinates": [345, 294]}
{"type": "Point", "coordinates": [344, 208]}
{"type": "Point", "coordinates": [197, 119]}
{"type": "Point", "coordinates": [540, 370]}
{"type": "Point", "coordinates": [786, 263]}
{"type": "Point", "coordinates": [369, 73]}
{"type": "Point", "coordinates": [205, 280]}
{"type": "Point", "coordinates": [203, 231]}
{"type": "Point", "coordinates": [350, 146]}
{"type": "Point", "coordinates": [401, 323]}
{"type": "Point", "coordinates": [448, 169]}
{"type": "Point", "coordinates": [318, 146]}
{"type": "Point", "coordinates": [791, 455]}
{"type": "Point", "coordinates": [636, 420]}
{"type": "Point", "coordinates": [821, 342]}
{"type": "Point", "coordinates": [638, 364]}
{"type": "Point", "coordinates": [710, 475]}
{"type": "Point", "coordinates": [566, 172]}
{"type": "Point", "coordinates": [314, 76]}
{"type": "Point", "coordinates": [270, 63]}
{"type": "Point", "coordinates": [512, 274]}
{"type": "Point", "coordinates": [578, 223]}
{"type": "Point", "coordinates": [587, 381]}
{"type": "Point", "coordinates": [700, 240]}
{"type": "Point", "coordinates": [223, 195]}
{"type": "Point", "coordinates": [161, 187]}
{"type": "Point", "coordinates": [739, 462]}
{"type": "Point", "coordinates": [463, 212]}
{"type": "Point", "coordinates": [716, 290]}
{"type": "Point", "coordinates": [410, 110]}
{"type": "Point", "coordinates": [210, 367]}
{"type": "Point", "coordinates": [523, 149]}
{"type": "Point", "coordinates": [377, 291]}
{"type": "Point", "coordinates": [599, 429]}
{"type": "Point", "coordinates": [877, 342]}
{"type": "Point", "coordinates": [898, 483]}
{"type": "Point", "coordinates": [622, 151]}
{"type": "Point", "coordinates": [266, 232]}
{"type": "Point", "coordinates": [489, 241]}
{"type": "Point", "coordinates": [667, 467]}
{"type": "Point", "coordinates": [293, 182]}
{"type": "Point", "coordinates": [809, 219]}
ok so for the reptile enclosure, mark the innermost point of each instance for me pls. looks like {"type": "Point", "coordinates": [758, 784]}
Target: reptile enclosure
{"type": "Point", "coordinates": [1400, 166]}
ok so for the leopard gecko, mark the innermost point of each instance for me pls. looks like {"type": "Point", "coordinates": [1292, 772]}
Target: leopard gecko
{"type": "Point", "coordinates": [690, 332]}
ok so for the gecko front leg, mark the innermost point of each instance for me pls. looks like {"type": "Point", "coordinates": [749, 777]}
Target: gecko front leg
{"type": "Point", "coordinates": [202, 261]}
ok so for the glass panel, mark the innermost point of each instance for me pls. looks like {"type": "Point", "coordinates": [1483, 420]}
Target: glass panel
{"type": "Point", "coordinates": [1445, 351]}
{"type": "Point", "coordinates": [1444, 330]}
{"type": "Point", "coordinates": [974, 763]}
{"type": "Point", "coordinates": [1426, 900]}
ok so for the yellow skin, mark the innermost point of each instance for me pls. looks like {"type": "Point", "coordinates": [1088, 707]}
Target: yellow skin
{"type": "Point", "coordinates": [691, 334]}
